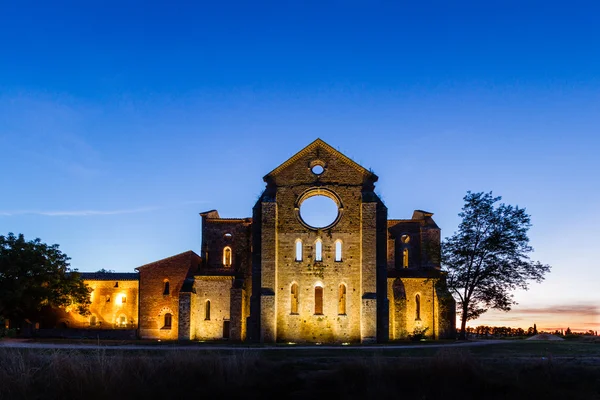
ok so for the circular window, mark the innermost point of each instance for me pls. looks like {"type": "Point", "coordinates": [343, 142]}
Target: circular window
{"type": "Point", "coordinates": [319, 211]}
{"type": "Point", "coordinates": [405, 238]}
{"type": "Point", "coordinates": [317, 169]}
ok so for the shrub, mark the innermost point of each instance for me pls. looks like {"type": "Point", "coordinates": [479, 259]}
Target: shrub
{"type": "Point", "coordinates": [418, 334]}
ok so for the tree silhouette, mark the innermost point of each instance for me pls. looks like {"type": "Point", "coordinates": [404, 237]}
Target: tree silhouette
{"type": "Point", "coordinates": [34, 274]}
{"type": "Point", "coordinates": [487, 258]}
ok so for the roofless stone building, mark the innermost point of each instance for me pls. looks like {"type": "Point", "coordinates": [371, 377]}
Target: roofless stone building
{"type": "Point", "coordinates": [282, 276]}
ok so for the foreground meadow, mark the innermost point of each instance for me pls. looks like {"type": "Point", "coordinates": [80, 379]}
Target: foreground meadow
{"type": "Point", "coordinates": [515, 370]}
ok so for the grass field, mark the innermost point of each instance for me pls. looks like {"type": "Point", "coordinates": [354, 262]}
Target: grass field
{"type": "Point", "coordinates": [511, 370]}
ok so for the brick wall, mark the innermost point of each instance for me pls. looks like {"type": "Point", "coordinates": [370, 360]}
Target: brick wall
{"type": "Point", "coordinates": [154, 304]}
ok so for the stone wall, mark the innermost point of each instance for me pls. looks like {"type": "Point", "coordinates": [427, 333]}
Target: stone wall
{"type": "Point", "coordinates": [215, 325]}
{"type": "Point", "coordinates": [262, 292]}
{"type": "Point", "coordinates": [404, 318]}
{"type": "Point", "coordinates": [218, 233]}
{"type": "Point", "coordinates": [347, 183]}
{"type": "Point", "coordinates": [114, 306]}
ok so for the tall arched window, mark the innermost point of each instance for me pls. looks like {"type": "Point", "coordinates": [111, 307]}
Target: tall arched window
{"type": "Point", "coordinates": [298, 250]}
{"type": "Point", "coordinates": [93, 320]}
{"type": "Point", "coordinates": [417, 307]}
{"type": "Point", "coordinates": [227, 256]}
{"type": "Point", "coordinates": [166, 289]}
{"type": "Point", "coordinates": [318, 250]}
{"type": "Point", "coordinates": [405, 258]}
{"type": "Point", "coordinates": [168, 321]}
{"type": "Point", "coordinates": [318, 300]}
{"type": "Point", "coordinates": [342, 300]}
{"type": "Point", "coordinates": [338, 250]}
{"type": "Point", "coordinates": [207, 310]}
{"type": "Point", "coordinates": [294, 299]}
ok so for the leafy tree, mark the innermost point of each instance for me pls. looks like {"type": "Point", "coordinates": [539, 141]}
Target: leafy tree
{"type": "Point", "coordinates": [488, 257]}
{"type": "Point", "coordinates": [33, 275]}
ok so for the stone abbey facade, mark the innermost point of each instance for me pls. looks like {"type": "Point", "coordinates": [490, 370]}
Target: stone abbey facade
{"type": "Point", "coordinates": [279, 277]}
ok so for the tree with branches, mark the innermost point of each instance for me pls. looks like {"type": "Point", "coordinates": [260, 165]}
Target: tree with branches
{"type": "Point", "coordinates": [488, 257]}
{"type": "Point", "coordinates": [33, 275]}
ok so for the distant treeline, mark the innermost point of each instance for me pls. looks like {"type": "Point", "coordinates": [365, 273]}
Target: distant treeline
{"type": "Point", "coordinates": [505, 331]}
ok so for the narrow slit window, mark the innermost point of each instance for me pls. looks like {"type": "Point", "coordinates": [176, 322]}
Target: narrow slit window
{"type": "Point", "coordinates": [318, 300]}
{"type": "Point", "coordinates": [166, 289]}
{"type": "Point", "coordinates": [338, 250]}
{"type": "Point", "coordinates": [227, 256]}
{"type": "Point", "coordinates": [207, 310]}
{"type": "Point", "coordinates": [342, 300]}
{"type": "Point", "coordinates": [294, 299]}
{"type": "Point", "coordinates": [405, 258]}
{"type": "Point", "coordinates": [168, 320]}
{"type": "Point", "coordinates": [417, 307]}
{"type": "Point", "coordinates": [298, 250]}
{"type": "Point", "coordinates": [318, 250]}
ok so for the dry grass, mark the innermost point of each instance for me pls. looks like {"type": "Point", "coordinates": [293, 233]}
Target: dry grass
{"type": "Point", "coordinates": [451, 373]}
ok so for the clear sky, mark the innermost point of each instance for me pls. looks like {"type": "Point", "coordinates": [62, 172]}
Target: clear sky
{"type": "Point", "coordinates": [121, 121]}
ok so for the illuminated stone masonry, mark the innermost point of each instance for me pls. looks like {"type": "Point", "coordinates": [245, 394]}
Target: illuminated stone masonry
{"type": "Point", "coordinates": [115, 301]}
{"type": "Point", "coordinates": [318, 261]}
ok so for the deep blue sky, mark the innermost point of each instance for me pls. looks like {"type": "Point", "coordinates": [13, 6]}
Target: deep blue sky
{"type": "Point", "coordinates": [120, 121]}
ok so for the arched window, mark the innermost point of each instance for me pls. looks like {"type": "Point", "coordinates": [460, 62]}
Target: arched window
{"type": "Point", "coordinates": [294, 299]}
{"type": "Point", "coordinates": [338, 250]}
{"type": "Point", "coordinates": [122, 322]}
{"type": "Point", "coordinates": [227, 256]}
{"type": "Point", "coordinates": [318, 300]}
{"type": "Point", "coordinates": [405, 258]}
{"type": "Point", "coordinates": [207, 310]}
{"type": "Point", "coordinates": [298, 250]}
{"type": "Point", "coordinates": [417, 307]}
{"type": "Point", "coordinates": [318, 250]}
{"type": "Point", "coordinates": [93, 320]}
{"type": "Point", "coordinates": [342, 300]}
{"type": "Point", "coordinates": [168, 321]}
{"type": "Point", "coordinates": [166, 289]}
